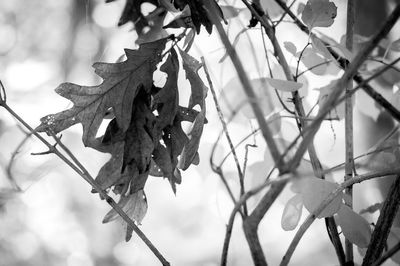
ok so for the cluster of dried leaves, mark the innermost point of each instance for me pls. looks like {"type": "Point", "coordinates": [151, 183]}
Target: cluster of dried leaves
{"type": "Point", "coordinates": [145, 135]}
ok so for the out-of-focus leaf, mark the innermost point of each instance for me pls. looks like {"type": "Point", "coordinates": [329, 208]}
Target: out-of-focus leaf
{"type": "Point", "coordinates": [320, 47]}
{"type": "Point", "coordinates": [371, 209]}
{"type": "Point", "coordinates": [284, 85]}
{"type": "Point", "coordinates": [117, 92]}
{"type": "Point", "coordinates": [319, 13]}
{"type": "Point", "coordinates": [354, 227]}
{"type": "Point", "coordinates": [338, 111]}
{"type": "Point", "coordinates": [300, 8]}
{"type": "Point", "coordinates": [273, 9]}
{"type": "Point", "coordinates": [314, 191]}
{"type": "Point", "coordinates": [189, 39]}
{"type": "Point", "coordinates": [290, 47]}
{"type": "Point", "coordinates": [394, 239]}
{"type": "Point", "coordinates": [292, 213]}
{"type": "Point", "coordinates": [236, 99]}
{"type": "Point", "coordinates": [317, 64]}
{"type": "Point", "coordinates": [231, 11]}
{"type": "Point", "coordinates": [6, 194]}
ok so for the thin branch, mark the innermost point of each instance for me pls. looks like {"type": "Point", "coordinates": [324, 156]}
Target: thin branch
{"type": "Point", "coordinates": [88, 178]}
{"type": "Point", "coordinates": [311, 218]}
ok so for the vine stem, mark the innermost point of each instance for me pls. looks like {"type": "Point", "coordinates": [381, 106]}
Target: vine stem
{"type": "Point", "coordinates": [80, 170]}
{"type": "Point", "coordinates": [311, 218]}
{"type": "Point", "coordinates": [348, 120]}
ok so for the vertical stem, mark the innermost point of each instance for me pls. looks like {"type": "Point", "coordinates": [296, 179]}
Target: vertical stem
{"type": "Point", "coordinates": [349, 150]}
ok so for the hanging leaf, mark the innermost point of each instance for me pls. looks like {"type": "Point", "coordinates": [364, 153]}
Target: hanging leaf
{"type": "Point", "coordinates": [284, 85]}
{"type": "Point", "coordinates": [292, 213]}
{"type": "Point", "coordinates": [314, 191]}
{"type": "Point", "coordinates": [117, 91]}
{"type": "Point", "coordinates": [354, 227]}
{"type": "Point", "coordinates": [319, 13]}
{"type": "Point", "coordinates": [199, 93]}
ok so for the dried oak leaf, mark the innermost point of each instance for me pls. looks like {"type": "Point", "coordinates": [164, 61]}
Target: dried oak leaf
{"type": "Point", "coordinates": [117, 91]}
{"type": "Point", "coordinates": [199, 93]}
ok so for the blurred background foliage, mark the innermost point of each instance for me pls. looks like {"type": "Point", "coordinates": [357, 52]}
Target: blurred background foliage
{"type": "Point", "coordinates": [55, 220]}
